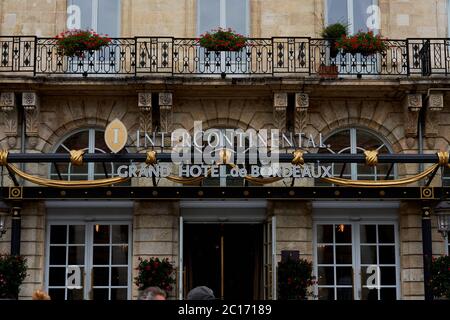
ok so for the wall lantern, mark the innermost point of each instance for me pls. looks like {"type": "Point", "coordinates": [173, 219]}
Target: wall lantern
{"type": "Point", "coordinates": [442, 211]}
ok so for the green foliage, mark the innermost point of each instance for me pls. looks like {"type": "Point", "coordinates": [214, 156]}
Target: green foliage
{"type": "Point", "coordinates": [76, 42]}
{"type": "Point", "coordinates": [440, 276]}
{"type": "Point", "coordinates": [294, 279]}
{"type": "Point", "coordinates": [155, 272]}
{"type": "Point", "coordinates": [222, 40]}
{"type": "Point", "coordinates": [365, 43]}
{"type": "Point", "coordinates": [13, 270]}
{"type": "Point", "coordinates": [334, 31]}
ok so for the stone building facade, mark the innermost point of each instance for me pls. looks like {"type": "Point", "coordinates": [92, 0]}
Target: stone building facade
{"type": "Point", "coordinates": [69, 109]}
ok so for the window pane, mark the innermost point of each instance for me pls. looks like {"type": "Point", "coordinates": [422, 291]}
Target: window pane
{"type": "Point", "coordinates": [120, 254]}
{"type": "Point", "coordinates": [386, 234]}
{"type": "Point", "coordinates": [237, 15]}
{"type": "Point", "coordinates": [343, 233]}
{"type": "Point", "coordinates": [108, 17]}
{"type": "Point", "coordinates": [209, 15]}
{"type": "Point", "coordinates": [388, 276]}
{"type": "Point", "coordinates": [119, 276]}
{"type": "Point", "coordinates": [343, 254]}
{"type": "Point", "coordinates": [369, 294]}
{"type": "Point", "coordinates": [76, 255]}
{"type": "Point", "coordinates": [388, 294]}
{"type": "Point", "coordinates": [76, 235]}
{"type": "Point", "coordinates": [368, 254]}
{"type": "Point", "coordinates": [74, 294]}
{"type": "Point", "coordinates": [77, 141]}
{"type": "Point", "coordinates": [326, 293]}
{"type": "Point", "coordinates": [344, 294]}
{"type": "Point", "coordinates": [325, 254]}
{"type": "Point", "coordinates": [100, 276]}
{"type": "Point", "coordinates": [337, 11]}
{"type": "Point", "coordinates": [100, 294]}
{"type": "Point", "coordinates": [360, 15]}
{"type": "Point", "coordinates": [324, 233]}
{"type": "Point", "coordinates": [344, 275]}
{"type": "Point", "coordinates": [368, 233]}
{"type": "Point", "coordinates": [57, 276]}
{"type": "Point", "coordinates": [118, 294]}
{"type": "Point", "coordinates": [56, 294]}
{"type": "Point", "coordinates": [57, 255]}
{"type": "Point", "coordinates": [326, 275]}
{"type": "Point", "coordinates": [387, 254]}
{"type": "Point", "coordinates": [120, 234]}
{"type": "Point", "coordinates": [101, 233]}
{"type": "Point", "coordinates": [86, 12]}
{"type": "Point", "coordinates": [101, 255]}
{"type": "Point", "coordinates": [58, 234]}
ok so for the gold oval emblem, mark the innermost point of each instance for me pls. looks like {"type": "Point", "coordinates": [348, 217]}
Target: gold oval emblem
{"type": "Point", "coordinates": [116, 135]}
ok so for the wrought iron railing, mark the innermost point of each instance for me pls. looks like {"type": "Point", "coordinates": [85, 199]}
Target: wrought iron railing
{"type": "Point", "coordinates": [277, 56]}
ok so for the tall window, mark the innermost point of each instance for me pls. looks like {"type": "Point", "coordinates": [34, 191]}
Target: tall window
{"type": "Point", "coordinates": [223, 13]}
{"type": "Point", "coordinates": [356, 141]}
{"type": "Point", "coordinates": [90, 141]}
{"type": "Point", "coordinates": [360, 15]}
{"type": "Point", "coordinates": [102, 16]}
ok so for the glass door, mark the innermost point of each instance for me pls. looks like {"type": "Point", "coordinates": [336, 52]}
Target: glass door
{"type": "Point", "coordinates": [356, 261]}
{"type": "Point", "coordinates": [89, 261]}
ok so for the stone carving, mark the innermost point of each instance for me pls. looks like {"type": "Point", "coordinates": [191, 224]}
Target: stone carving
{"type": "Point", "coordinates": [280, 100]}
{"type": "Point", "coordinates": [29, 101]}
{"type": "Point", "coordinates": [165, 99]}
{"type": "Point", "coordinates": [7, 101]}
{"type": "Point", "coordinates": [166, 118]}
{"type": "Point", "coordinates": [9, 115]}
{"type": "Point", "coordinates": [301, 101]}
{"type": "Point", "coordinates": [145, 101]}
{"type": "Point", "coordinates": [413, 102]}
{"type": "Point", "coordinates": [436, 102]}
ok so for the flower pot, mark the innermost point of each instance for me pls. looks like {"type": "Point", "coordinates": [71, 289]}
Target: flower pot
{"type": "Point", "coordinates": [328, 72]}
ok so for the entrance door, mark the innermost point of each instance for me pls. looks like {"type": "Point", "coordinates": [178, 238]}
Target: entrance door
{"type": "Point", "coordinates": [356, 260]}
{"type": "Point", "coordinates": [89, 261]}
{"type": "Point", "coordinates": [225, 257]}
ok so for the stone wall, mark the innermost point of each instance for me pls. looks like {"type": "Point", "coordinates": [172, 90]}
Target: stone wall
{"type": "Point", "coordinates": [155, 233]}
{"type": "Point", "coordinates": [294, 226]}
{"type": "Point", "coordinates": [178, 18]}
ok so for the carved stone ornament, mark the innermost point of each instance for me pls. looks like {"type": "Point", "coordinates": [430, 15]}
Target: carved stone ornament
{"type": "Point", "coordinates": [436, 102]}
{"type": "Point", "coordinates": [30, 101]}
{"type": "Point", "coordinates": [7, 101]}
{"type": "Point", "coordinates": [301, 101]}
{"type": "Point", "coordinates": [165, 99]}
{"type": "Point", "coordinates": [145, 101]}
{"type": "Point", "coordinates": [413, 102]}
{"type": "Point", "coordinates": [280, 100]}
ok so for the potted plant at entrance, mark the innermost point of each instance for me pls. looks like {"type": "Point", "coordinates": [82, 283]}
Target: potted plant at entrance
{"type": "Point", "coordinates": [440, 277]}
{"type": "Point", "coordinates": [294, 279]}
{"type": "Point", "coordinates": [13, 270]}
{"type": "Point", "coordinates": [155, 272]}
{"type": "Point", "coordinates": [222, 40]}
{"type": "Point", "coordinates": [76, 42]}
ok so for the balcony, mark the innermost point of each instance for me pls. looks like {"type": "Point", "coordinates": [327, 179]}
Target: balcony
{"type": "Point", "coordinates": [274, 57]}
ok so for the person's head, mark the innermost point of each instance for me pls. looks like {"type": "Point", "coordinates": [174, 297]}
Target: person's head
{"type": "Point", "coordinates": [40, 295]}
{"type": "Point", "coordinates": [201, 293]}
{"type": "Point", "coordinates": [152, 293]}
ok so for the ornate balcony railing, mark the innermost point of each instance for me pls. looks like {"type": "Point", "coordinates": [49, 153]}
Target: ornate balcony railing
{"type": "Point", "coordinates": [277, 56]}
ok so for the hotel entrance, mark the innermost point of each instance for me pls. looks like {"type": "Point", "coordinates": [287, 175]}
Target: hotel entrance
{"type": "Point", "coordinates": [225, 257]}
{"type": "Point", "coordinates": [227, 246]}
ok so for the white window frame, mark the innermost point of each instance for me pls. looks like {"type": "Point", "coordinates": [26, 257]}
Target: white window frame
{"type": "Point", "coordinates": [357, 213]}
{"type": "Point", "coordinates": [88, 250]}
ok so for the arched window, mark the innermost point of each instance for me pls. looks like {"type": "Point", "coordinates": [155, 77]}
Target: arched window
{"type": "Point", "coordinates": [90, 141]}
{"type": "Point", "coordinates": [356, 141]}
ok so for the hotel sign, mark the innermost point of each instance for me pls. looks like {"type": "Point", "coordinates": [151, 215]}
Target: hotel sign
{"type": "Point", "coordinates": [218, 152]}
